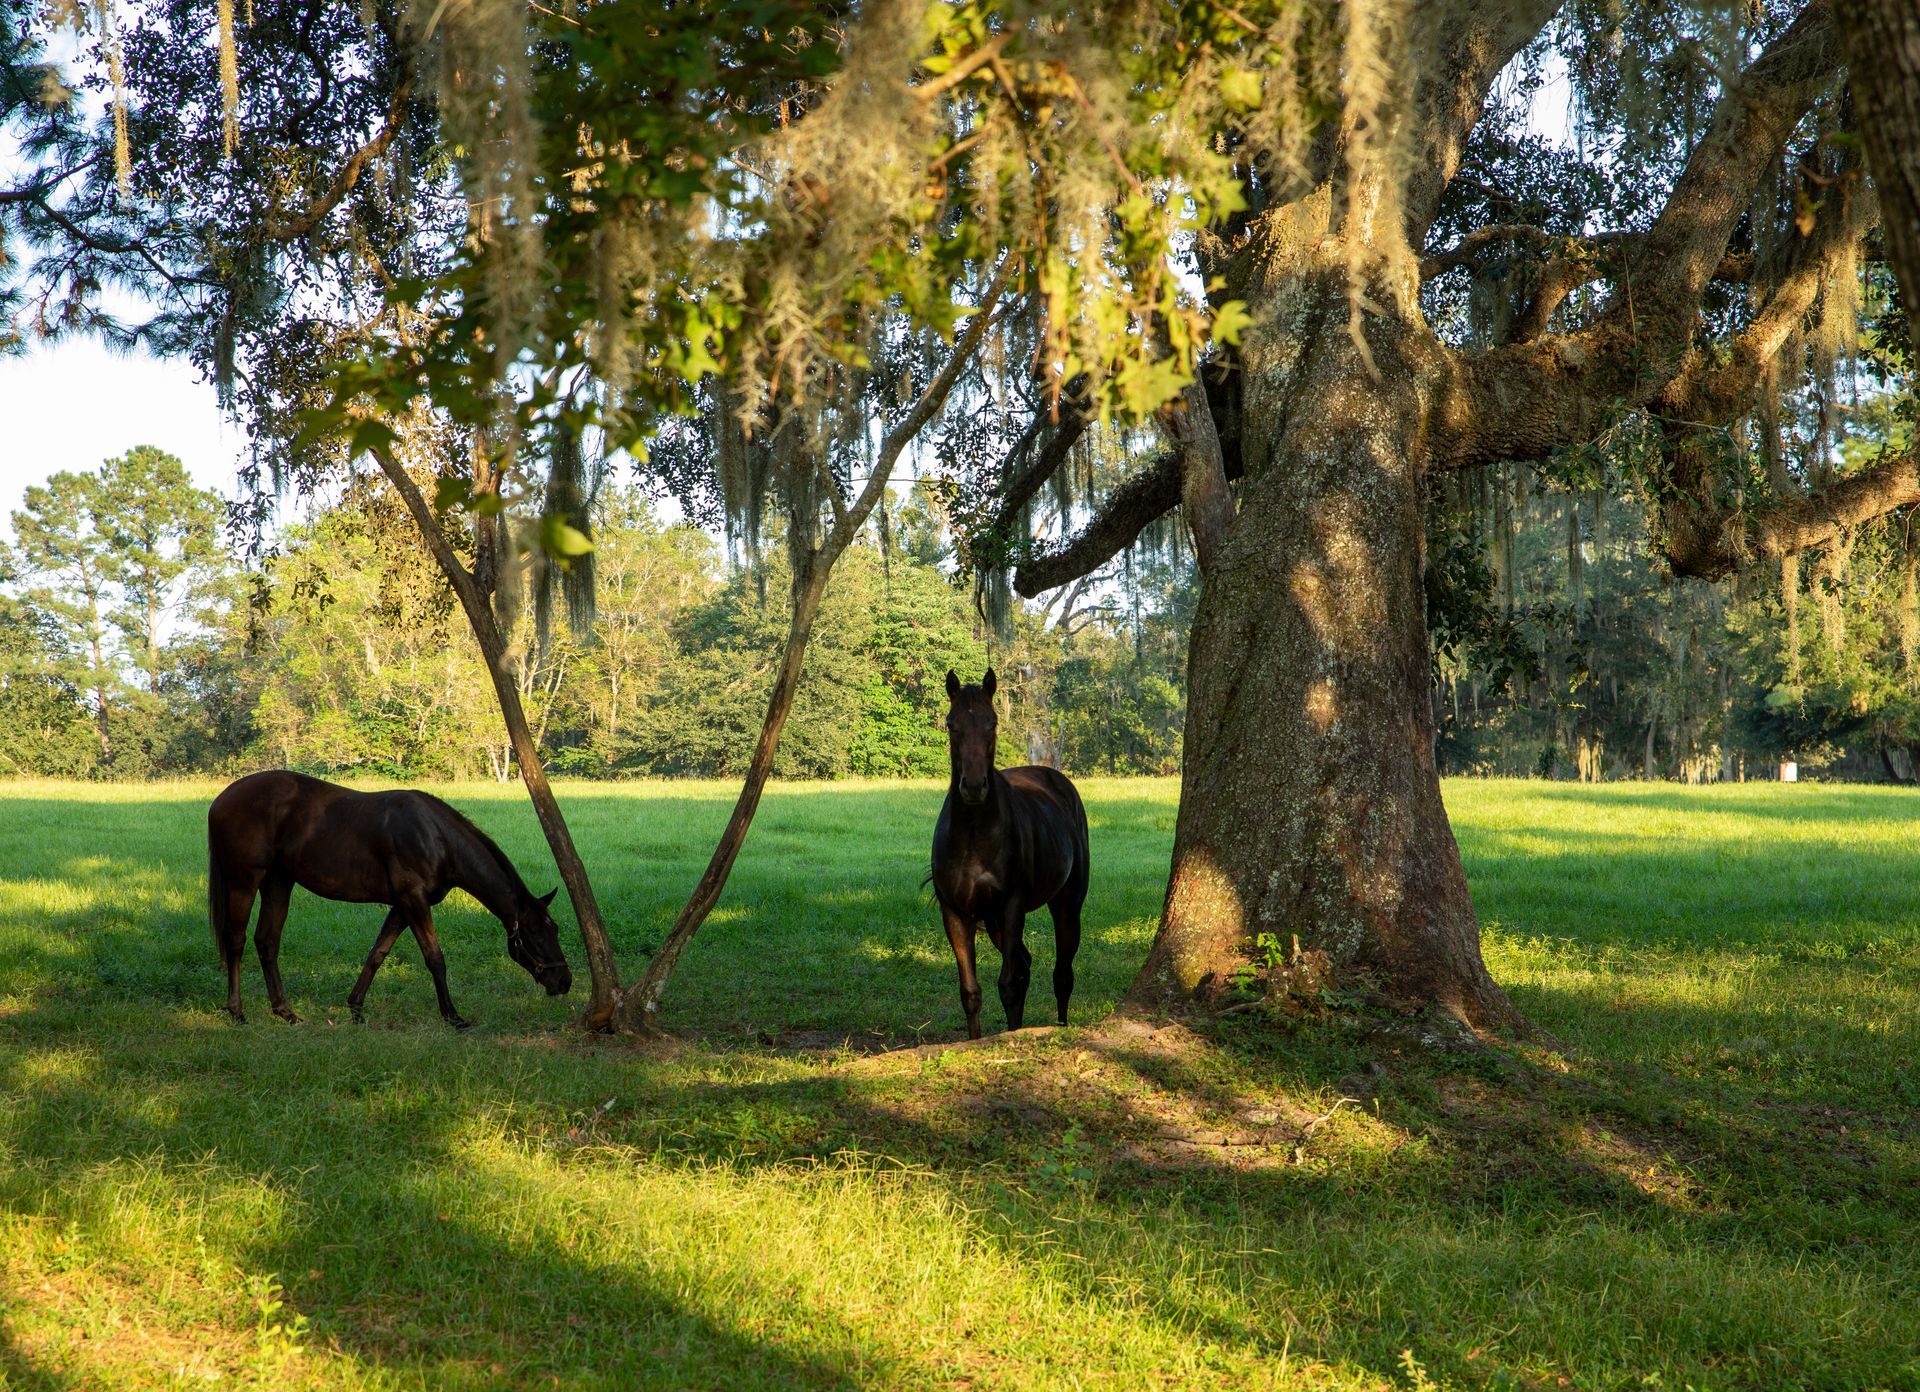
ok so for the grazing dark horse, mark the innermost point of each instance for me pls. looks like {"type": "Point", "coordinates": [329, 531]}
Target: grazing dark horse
{"type": "Point", "coordinates": [1008, 841]}
{"type": "Point", "coordinates": [270, 831]}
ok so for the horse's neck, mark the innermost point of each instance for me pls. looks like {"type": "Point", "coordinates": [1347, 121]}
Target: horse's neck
{"type": "Point", "coordinates": [479, 872]}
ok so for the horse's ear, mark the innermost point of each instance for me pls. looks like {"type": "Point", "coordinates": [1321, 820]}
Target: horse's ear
{"type": "Point", "coordinates": [546, 900]}
{"type": "Point", "coordinates": [953, 685]}
{"type": "Point", "coordinates": [986, 683]}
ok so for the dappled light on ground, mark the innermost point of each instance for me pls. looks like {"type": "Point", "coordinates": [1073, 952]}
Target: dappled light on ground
{"type": "Point", "coordinates": [1708, 1177]}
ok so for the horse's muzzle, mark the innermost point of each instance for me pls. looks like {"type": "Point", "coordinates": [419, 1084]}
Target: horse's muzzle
{"type": "Point", "coordinates": [558, 981]}
{"type": "Point", "coordinates": [973, 796]}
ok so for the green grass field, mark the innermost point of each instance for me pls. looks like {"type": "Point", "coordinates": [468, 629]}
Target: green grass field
{"type": "Point", "coordinates": [1712, 1181]}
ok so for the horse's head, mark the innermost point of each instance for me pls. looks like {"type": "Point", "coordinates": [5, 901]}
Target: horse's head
{"type": "Point", "coordinates": [972, 728]}
{"type": "Point", "coordinates": [533, 940]}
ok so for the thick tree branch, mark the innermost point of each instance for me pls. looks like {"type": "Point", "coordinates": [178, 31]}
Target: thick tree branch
{"type": "Point", "coordinates": [1750, 125]}
{"type": "Point", "coordinates": [1473, 247]}
{"type": "Point", "coordinates": [287, 229]}
{"type": "Point", "coordinates": [1719, 390]}
{"type": "Point", "coordinates": [1146, 496]}
{"type": "Point", "coordinates": [1524, 400]}
{"type": "Point", "coordinates": [1205, 498]}
{"type": "Point", "coordinates": [1470, 43]}
{"type": "Point", "coordinates": [1714, 546]}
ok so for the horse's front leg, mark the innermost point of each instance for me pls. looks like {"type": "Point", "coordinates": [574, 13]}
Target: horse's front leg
{"type": "Point", "coordinates": [960, 935]}
{"type": "Point", "coordinates": [420, 918]}
{"type": "Point", "coordinates": [1016, 963]}
{"type": "Point", "coordinates": [390, 931]}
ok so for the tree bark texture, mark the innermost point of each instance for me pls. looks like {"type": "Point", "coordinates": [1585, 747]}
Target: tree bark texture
{"type": "Point", "coordinates": [1310, 805]}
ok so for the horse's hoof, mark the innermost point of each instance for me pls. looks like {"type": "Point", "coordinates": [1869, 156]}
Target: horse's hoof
{"type": "Point", "coordinates": [285, 1012]}
{"type": "Point", "coordinates": [460, 1022]}
{"type": "Point", "coordinates": [359, 1015]}
{"type": "Point", "coordinates": [237, 1016]}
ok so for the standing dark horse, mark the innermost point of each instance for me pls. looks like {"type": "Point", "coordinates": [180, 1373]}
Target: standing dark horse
{"type": "Point", "coordinates": [1007, 842]}
{"type": "Point", "coordinates": [270, 831]}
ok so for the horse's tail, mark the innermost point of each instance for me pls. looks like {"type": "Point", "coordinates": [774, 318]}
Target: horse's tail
{"type": "Point", "coordinates": [217, 899]}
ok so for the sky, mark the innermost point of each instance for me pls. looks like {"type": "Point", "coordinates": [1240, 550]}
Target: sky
{"type": "Point", "coordinates": [76, 405]}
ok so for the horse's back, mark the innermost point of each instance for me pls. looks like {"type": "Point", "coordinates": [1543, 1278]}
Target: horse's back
{"type": "Point", "coordinates": [253, 818]}
{"type": "Point", "coordinates": [1048, 788]}
{"type": "Point", "coordinates": [1057, 820]}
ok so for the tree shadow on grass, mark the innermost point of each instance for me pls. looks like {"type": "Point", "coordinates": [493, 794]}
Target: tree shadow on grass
{"type": "Point", "coordinates": [499, 1212]}
{"type": "Point", "coordinates": [385, 1242]}
{"type": "Point", "coordinates": [439, 1206]}
{"type": "Point", "coordinates": [20, 1371]}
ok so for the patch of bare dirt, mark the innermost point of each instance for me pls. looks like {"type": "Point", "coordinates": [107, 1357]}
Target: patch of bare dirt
{"type": "Point", "coordinates": [1156, 1095]}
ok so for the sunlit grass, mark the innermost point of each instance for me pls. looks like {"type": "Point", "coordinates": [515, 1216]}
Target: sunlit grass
{"type": "Point", "coordinates": [1711, 1178]}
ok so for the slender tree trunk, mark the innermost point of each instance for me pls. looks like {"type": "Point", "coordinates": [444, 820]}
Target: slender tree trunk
{"type": "Point", "coordinates": [641, 1004]}
{"type": "Point", "coordinates": [1310, 804]}
{"type": "Point", "coordinates": [639, 1007]}
{"type": "Point", "coordinates": [573, 873]}
{"type": "Point", "coordinates": [100, 703]}
{"type": "Point", "coordinates": [153, 643]}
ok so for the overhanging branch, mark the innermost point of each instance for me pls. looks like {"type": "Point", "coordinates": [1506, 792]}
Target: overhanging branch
{"type": "Point", "coordinates": [1146, 496]}
{"type": "Point", "coordinates": [287, 229]}
{"type": "Point", "coordinates": [1713, 545]}
{"type": "Point", "coordinates": [1750, 125]}
{"type": "Point", "coordinates": [1524, 400]}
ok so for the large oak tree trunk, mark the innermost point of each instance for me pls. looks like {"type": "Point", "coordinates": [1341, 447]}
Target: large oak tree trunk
{"type": "Point", "coordinates": [1310, 804]}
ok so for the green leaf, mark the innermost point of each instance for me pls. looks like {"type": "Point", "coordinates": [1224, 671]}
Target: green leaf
{"type": "Point", "coordinates": [560, 538]}
{"type": "Point", "coordinates": [370, 435]}
{"type": "Point", "coordinates": [1230, 321]}
{"type": "Point", "coordinates": [1240, 89]}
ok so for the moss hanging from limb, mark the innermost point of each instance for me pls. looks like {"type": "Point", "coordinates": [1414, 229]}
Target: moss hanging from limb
{"type": "Point", "coordinates": [1831, 570]}
{"type": "Point", "coordinates": [1790, 603]}
{"type": "Point", "coordinates": [1502, 549]}
{"type": "Point", "coordinates": [229, 81]}
{"type": "Point", "coordinates": [566, 525]}
{"type": "Point", "coordinates": [1909, 614]}
{"type": "Point", "coordinates": [1576, 561]}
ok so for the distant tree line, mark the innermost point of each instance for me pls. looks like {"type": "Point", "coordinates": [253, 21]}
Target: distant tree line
{"type": "Point", "coordinates": [135, 643]}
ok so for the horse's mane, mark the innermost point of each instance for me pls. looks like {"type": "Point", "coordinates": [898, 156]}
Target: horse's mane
{"type": "Point", "coordinates": [462, 820]}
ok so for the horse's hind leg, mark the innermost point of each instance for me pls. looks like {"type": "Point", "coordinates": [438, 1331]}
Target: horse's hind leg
{"type": "Point", "coordinates": [1066, 938]}
{"type": "Point", "coordinates": [233, 947]}
{"type": "Point", "coordinates": [421, 920]}
{"type": "Point", "coordinates": [1016, 964]}
{"type": "Point", "coordinates": [275, 894]}
{"type": "Point", "coordinates": [396, 923]}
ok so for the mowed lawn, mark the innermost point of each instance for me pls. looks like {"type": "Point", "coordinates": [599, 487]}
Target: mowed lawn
{"type": "Point", "coordinates": [1709, 1175]}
